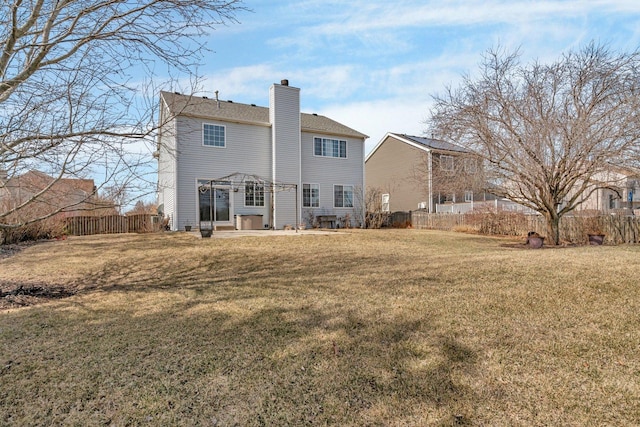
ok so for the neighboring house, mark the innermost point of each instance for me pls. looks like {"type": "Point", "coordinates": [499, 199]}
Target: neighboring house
{"type": "Point", "coordinates": [219, 161]}
{"type": "Point", "coordinates": [617, 192]}
{"type": "Point", "coordinates": [68, 196]}
{"type": "Point", "coordinates": [414, 172]}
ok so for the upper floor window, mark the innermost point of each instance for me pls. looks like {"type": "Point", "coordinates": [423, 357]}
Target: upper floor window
{"type": "Point", "coordinates": [343, 196]}
{"type": "Point", "coordinates": [310, 195]}
{"type": "Point", "coordinates": [446, 163]}
{"type": "Point", "coordinates": [470, 165]}
{"type": "Point", "coordinates": [327, 147]}
{"type": "Point", "coordinates": [253, 194]}
{"type": "Point", "coordinates": [213, 135]}
{"type": "Point", "coordinates": [385, 202]}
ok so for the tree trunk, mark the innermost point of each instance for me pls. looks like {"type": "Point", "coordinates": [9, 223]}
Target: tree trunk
{"type": "Point", "coordinates": [553, 229]}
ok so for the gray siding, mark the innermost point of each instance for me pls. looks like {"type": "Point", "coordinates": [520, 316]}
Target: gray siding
{"type": "Point", "coordinates": [167, 172]}
{"type": "Point", "coordinates": [285, 126]}
{"type": "Point", "coordinates": [329, 171]}
{"type": "Point", "coordinates": [275, 150]}
{"type": "Point", "coordinates": [247, 150]}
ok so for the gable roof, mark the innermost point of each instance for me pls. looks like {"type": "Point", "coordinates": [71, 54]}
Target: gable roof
{"type": "Point", "coordinates": [71, 195]}
{"type": "Point", "coordinates": [205, 108]}
{"type": "Point", "coordinates": [434, 144]}
{"type": "Point", "coordinates": [35, 180]}
{"type": "Point", "coordinates": [426, 144]}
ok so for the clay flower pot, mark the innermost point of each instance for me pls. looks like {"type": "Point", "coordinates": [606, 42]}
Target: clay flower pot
{"type": "Point", "coordinates": [535, 242]}
{"type": "Point", "coordinates": [596, 239]}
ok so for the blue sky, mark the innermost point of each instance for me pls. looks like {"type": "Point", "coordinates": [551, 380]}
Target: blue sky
{"type": "Point", "coordinates": [374, 65]}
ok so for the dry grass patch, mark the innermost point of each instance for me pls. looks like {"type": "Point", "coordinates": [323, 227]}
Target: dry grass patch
{"type": "Point", "coordinates": [376, 327]}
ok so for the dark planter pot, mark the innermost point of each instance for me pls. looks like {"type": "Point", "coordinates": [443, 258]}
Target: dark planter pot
{"type": "Point", "coordinates": [535, 242]}
{"type": "Point", "coordinates": [596, 239]}
{"type": "Point", "coordinates": [205, 233]}
{"type": "Point", "coordinates": [187, 228]}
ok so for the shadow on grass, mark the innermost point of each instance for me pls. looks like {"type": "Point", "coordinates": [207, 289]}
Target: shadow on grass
{"type": "Point", "coordinates": [273, 366]}
{"type": "Point", "coordinates": [248, 336]}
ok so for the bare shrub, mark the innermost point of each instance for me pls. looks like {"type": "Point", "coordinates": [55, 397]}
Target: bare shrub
{"type": "Point", "coordinates": [464, 229]}
{"type": "Point", "coordinates": [345, 221]}
{"type": "Point", "coordinates": [401, 224]}
{"type": "Point", "coordinates": [375, 217]}
{"type": "Point", "coordinates": [498, 222]}
{"type": "Point", "coordinates": [20, 226]}
{"type": "Point", "coordinates": [50, 228]}
{"type": "Point", "coordinates": [311, 219]}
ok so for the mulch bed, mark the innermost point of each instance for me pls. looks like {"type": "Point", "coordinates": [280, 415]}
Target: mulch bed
{"type": "Point", "coordinates": [14, 295]}
{"type": "Point", "coordinates": [523, 245]}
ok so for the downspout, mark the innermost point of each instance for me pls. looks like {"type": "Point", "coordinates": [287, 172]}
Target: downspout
{"type": "Point", "coordinates": [176, 154]}
{"type": "Point", "coordinates": [272, 213]}
{"type": "Point", "coordinates": [299, 182]}
{"type": "Point", "coordinates": [363, 192]}
{"type": "Point", "coordinates": [430, 178]}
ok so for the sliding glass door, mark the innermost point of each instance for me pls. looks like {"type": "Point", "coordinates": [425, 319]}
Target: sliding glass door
{"type": "Point", "coordinates": [213, 204]}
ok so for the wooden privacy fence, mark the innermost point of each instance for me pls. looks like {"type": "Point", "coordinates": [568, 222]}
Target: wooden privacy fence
{"type": "Point", "coordinates": [573, 229]}
{"type": "Point", "coordinates": [111, 224]}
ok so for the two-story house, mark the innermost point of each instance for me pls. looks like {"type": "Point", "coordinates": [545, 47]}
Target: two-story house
{"type": "Point", "coordinates": [221, 160]}
{"type": "Point", "coordinates": [413, 172]}
{"type": "Point", "coordinates": [615, 191]}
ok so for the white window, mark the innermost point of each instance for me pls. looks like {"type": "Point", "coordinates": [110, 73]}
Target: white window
{"type": "Point", "coordinates": [385, 203]}
{"type": "Point", "coordinates": [327, 147]}
{"type": "Point", "coordinates": [253, 194]}
{"type": "Point", "coordinates": [213, 135]}
{"type": "Point", "coordinates": [343, 196]}
{"type": "Point", "coordinates": [470, 165]}
{"type": "Point", "coordinates": [446, 163]}
{"type": "Point", "coordinates": [468, 196]}
{"type": "Point", "coordinates": [310, 195]}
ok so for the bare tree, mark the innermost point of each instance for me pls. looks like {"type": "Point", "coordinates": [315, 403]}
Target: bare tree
{"type": "Point", "coordinates": [450, 175]}
{"type": "Point", "coordinates": [547, 132]}
{"type": "Point", "coordinates": [375, 214]}
{"type": "Point", "coordinates": [142, 207]}
{"type": "Point", "coordinates": [77, 87]}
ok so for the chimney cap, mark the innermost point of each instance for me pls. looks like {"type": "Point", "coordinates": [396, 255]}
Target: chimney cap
{"type": "Point", "coordinates": [284, 82]}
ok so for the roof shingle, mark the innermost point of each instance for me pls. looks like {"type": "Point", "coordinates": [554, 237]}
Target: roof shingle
{"type": "Point", "coordinates": [203, 107]}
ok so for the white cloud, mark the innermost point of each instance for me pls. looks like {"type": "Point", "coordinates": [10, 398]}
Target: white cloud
{"type": "Point", "coordinates": [243, 84]}
{"type": "Point", "coordinates": [376, 118]}
{"type": "Point", "coordinates": [374, 65]}
{"type": "Point", "coordinates": [384, 15]}
{"type": "Point", "coordinates": [378, 25]}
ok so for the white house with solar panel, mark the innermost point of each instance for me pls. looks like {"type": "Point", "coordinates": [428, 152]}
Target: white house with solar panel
{"type": "Point", "coordinates": [226, 165]}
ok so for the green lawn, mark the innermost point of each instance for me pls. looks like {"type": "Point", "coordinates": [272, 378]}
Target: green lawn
{"type": "Point", "coordinates": [368, 327]}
